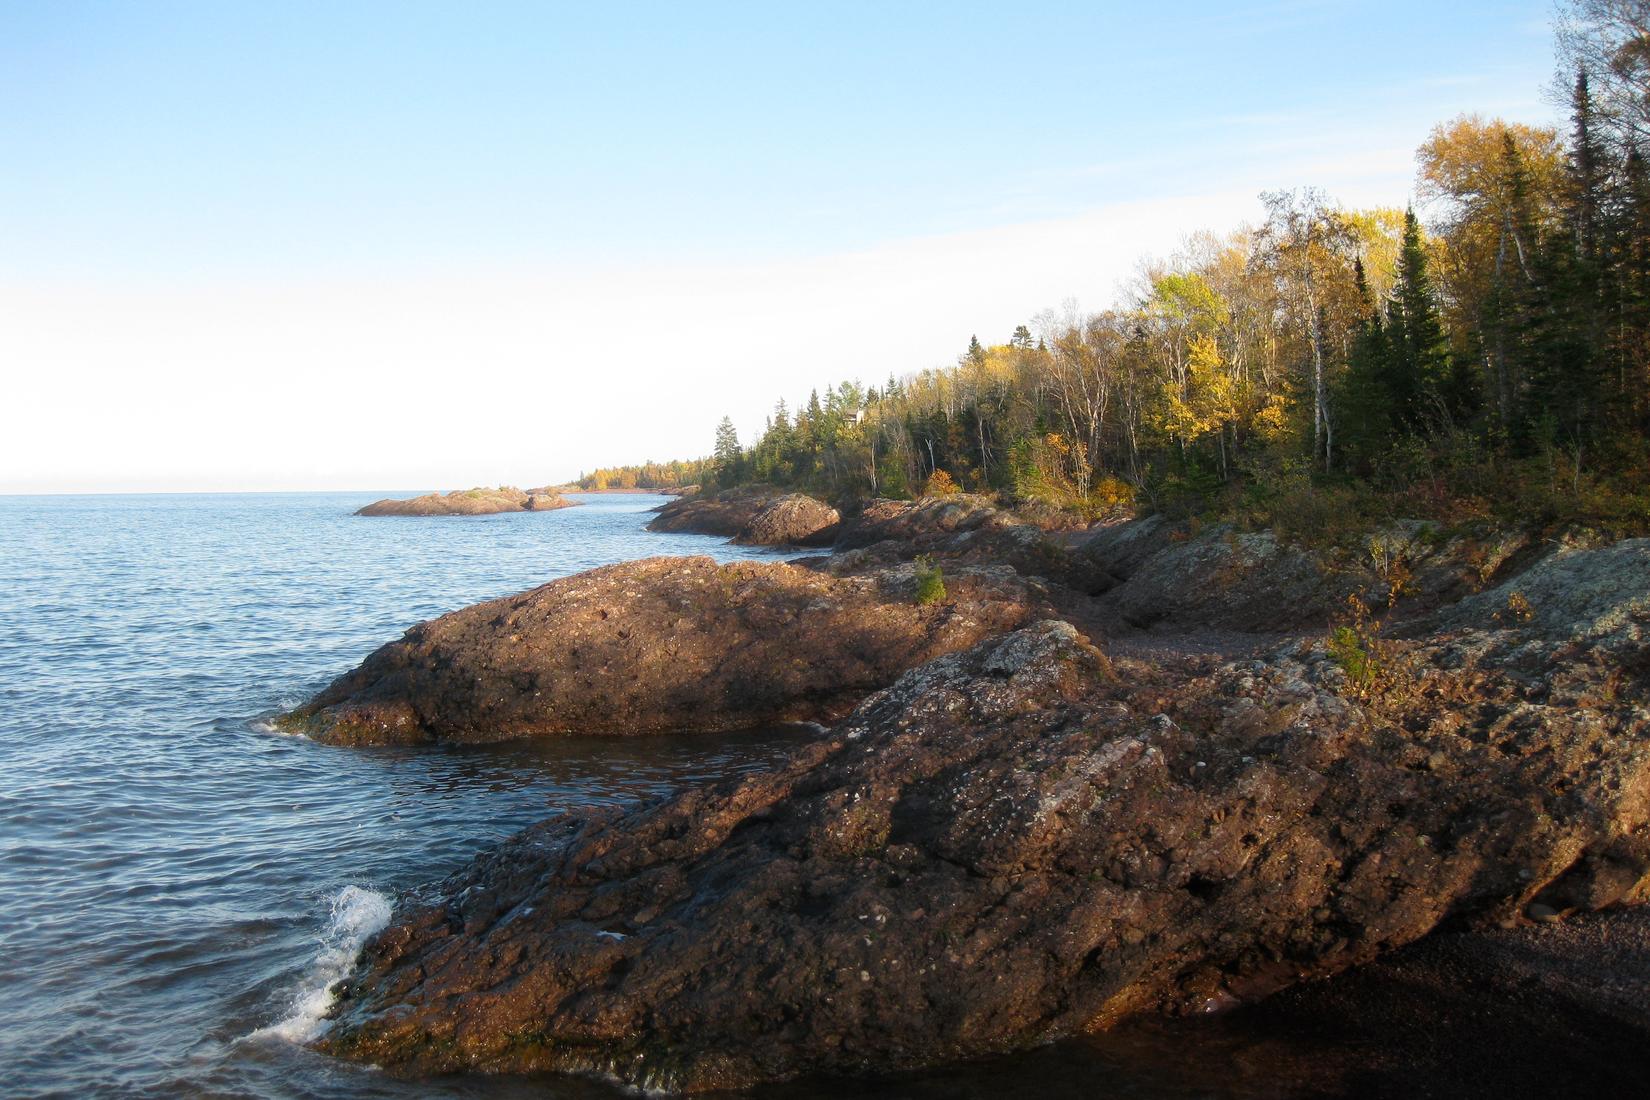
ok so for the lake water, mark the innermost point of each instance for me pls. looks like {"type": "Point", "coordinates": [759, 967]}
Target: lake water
{"type": "Point", "coordinates": [177, 882]}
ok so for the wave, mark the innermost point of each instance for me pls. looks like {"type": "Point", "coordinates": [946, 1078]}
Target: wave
{"type": "Point", "coordinates": [268, 727]}
{"type": "Point", "coordinates": [357, 913]}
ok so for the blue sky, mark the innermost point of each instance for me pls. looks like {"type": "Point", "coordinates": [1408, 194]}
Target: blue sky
{"type": "Point", "coordinates": [271, 165]}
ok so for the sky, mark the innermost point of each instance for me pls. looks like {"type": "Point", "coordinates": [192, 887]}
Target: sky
{"type": "Point", "coordinates": [382, 246]}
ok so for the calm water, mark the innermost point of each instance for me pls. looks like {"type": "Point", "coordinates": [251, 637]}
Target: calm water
{"type": "Point", "coordinates": [177, 883]}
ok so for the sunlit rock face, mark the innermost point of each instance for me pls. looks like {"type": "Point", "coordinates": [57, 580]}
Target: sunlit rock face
{"type": "Point", "coordinates": [662, 645]}
{"type": "Point", "coordinates": [1022, 840]}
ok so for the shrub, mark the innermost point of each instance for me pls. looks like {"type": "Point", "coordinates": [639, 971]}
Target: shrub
{"type": "Point", "coordinates": [1346, 649]}
{"type": "Point", "coordinates": [1518, 611]}
{"type": "Point", "coordinates": [940, 484]}
{"type": "Point", "coordinates": [1112, 494]}
{"type": "Point", "coordinates": [930, 581]}
{"type": "Point", "coordinates": [1377, 672]}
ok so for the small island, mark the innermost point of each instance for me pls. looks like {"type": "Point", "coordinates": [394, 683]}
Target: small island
{"type": "Point", "coordinates": [471, 502]}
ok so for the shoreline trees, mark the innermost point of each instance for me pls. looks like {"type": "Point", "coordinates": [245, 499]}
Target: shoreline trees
{"type": "Point", "coordinates": [1506, 337]}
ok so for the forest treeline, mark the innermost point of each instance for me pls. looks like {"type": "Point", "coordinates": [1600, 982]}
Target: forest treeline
{"type": "Point", "coordinates": [1326, 362]}
{"type": "Point", "coordinates": [649, 475]}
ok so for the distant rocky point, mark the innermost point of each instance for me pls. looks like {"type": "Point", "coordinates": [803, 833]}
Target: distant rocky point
{"type": "Point", "coordinates": [471, 502]}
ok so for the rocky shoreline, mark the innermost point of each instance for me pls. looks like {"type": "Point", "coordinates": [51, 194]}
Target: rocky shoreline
{"type": "Point", "coordinates": [1121, 773]}
{"type": "Point", "coordinates": [471, 502]}
{"type": "Point", "coordinates": [662, 645]}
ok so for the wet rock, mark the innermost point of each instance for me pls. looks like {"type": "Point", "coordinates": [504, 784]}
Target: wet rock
{"type": "Point", "coordinates": [1531, 1010]}
{"type": "Point", "coordinates": [791, 520]}
{"type": "Point", "coordinates": [662, 645]}
{"type": "Point", "coordinates": [471, 502]}
{"type": "Point", "coordinates": [1013, 842]}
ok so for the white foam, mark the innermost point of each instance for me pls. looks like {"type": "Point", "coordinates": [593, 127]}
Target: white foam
{"type": "Point", "coordinates": [357, 913]}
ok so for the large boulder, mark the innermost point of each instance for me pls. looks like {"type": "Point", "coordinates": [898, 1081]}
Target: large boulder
{"type": "Point", "coordinates": [1233, 581]}
{"type": "Point", "coordinates": [791, 520]}
{"type": "Point", "coordinates": [1013, 843]}
{"type": "Point", "coordinates": [656, 646]}
{"type": "Point", "coordinates": [471, 502]}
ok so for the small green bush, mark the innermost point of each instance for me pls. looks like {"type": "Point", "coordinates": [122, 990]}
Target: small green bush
{"type": "Point", "coordinates": [1346, 649]}
{"type": "Point", "coordinates": [930, 581]}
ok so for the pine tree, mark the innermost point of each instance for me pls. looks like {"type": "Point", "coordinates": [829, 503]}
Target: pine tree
{"type": "Point", "coordinates": [1516, 310]}
{"type": "Point", "coordinates": [1417, 360]}
{"type": "Point", "coordinates": [976, 354]}
{"type": "Point", "coordinates": [727, 453]}
{"type": "Point", "coordinates": [1021, 339]}
{"type": "Point", "coordinates": [1365, 403]}
{"type": "Point", "coordinates": [1567, 349]}
{"type": "Point", "coordinates": [1587, 166]}
{"type": "Point", "coordinates": [1631, 340]}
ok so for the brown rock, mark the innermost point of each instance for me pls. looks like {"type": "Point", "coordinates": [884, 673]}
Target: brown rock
{"type": "Point", "coordinates": [726, 513]}
{"type": "Point", "coordinates": [470, 502]}
{"type": "Point", "coordinates": [961, 529]}
{"type": "Point", "coordinates": [662, 645]}
{"type": "Point", "coordinates": [791, 520]}
{"type": "Point", "coordinates": [921, 523]}
{"type": "Point", "coordinates": [1013, 843]}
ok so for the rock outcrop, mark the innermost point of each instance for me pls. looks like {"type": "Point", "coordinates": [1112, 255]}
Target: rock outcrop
{"type": "Point", "coordinates": [958, 529]}
{"type": "Point", "coordinates": [661, 645]}
{"type": "Point", "coordinates": [726, 513]}
{"type": "Point", "coordinates": [471, 502]}
{"type": "Point", "coordinates": [1535, 1009]}
{"type": "Point", "coordinates": [1155, 574]}
{"type": "Point", "coordinates": [791, 520]}
{"type": "Point", "coordinates": [1022, 840]}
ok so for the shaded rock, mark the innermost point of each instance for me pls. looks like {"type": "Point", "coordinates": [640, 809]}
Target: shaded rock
{"type": "Point", "coordinates": [1118, 550]}
{"type": "Point", "coordinates": [470, 502]}
{"type": "Point", "coordinates": [1549, 1009]}
{"type": "Point", "coordinates": [1012, 843]}
{"type": "Point", "coordinates": [661, 645]}
{"type": "Point", "coordinates": [726, 513]}
{"type": "Point", "coordinates": [1158, 574]}
{"type": "Point", "coordinates": [920, 522]}
{"type": "Point", "coordinates": [960, 529]}
{"type": "Point", "coordinates": [1599, 596]}
{"type": "Point", "coordinates": [791, 520]}
{"type": "Point", "coordinates": [1225, 579]}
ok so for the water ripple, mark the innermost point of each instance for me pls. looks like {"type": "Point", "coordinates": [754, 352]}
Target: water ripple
{"type": "Point", "coordinates": [175, 877]}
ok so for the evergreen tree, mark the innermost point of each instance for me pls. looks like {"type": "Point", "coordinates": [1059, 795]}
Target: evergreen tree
{"type": "Point", "coordinates": [1516, 309]}
{"type": "Point", "coordinates": [726, 454]}
{"type": "Point", "coordinates": [1586, 172]}
{"type": "Point", "coordinates": [1567, 398]}
{"type": "Point", "coordinates": [1365, 403]}
{"type": "Point", "coordinates": [1417, 357]}
{"type": "Point", "coordinates": [976, 353]}
{"type": "Point", "coordinates": [1021, 339]}
{"type": "Point", "coordinates": [1631, 346]}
